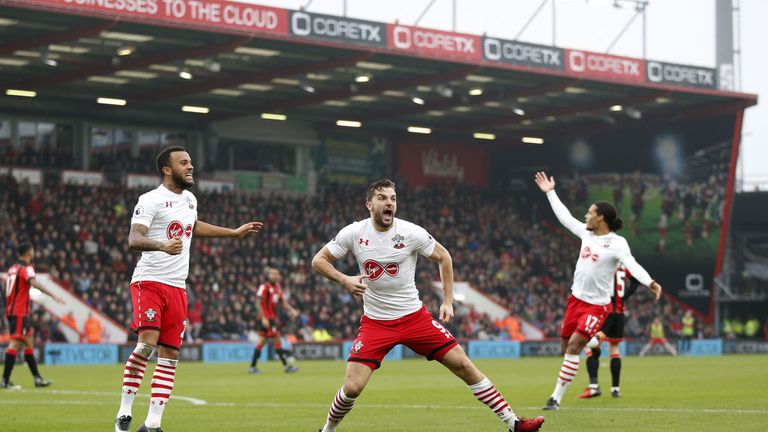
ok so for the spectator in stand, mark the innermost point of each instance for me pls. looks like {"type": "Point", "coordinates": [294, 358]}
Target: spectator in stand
{"type": "Point", "coordinates": [195, 319]}
{"type": "Point", "coordinates": [93, 329]}
{"type": "Point", "coordinates": [70, 321]}
{"type": "Point", "coordinates": [512, 325]}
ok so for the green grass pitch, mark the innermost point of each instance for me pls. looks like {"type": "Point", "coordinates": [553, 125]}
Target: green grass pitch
{"type": "Point", "coordinates": [660, 394]}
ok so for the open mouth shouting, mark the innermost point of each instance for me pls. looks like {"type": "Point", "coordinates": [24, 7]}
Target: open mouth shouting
{"type": "Point", "coordinates": [387, 216]}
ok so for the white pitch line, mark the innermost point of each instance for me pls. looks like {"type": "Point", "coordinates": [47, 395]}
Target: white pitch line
{"type": "Point", "coordinates": [196, 401]}
{"type": "Point", "coordinates": [472, 407]}
{"type": "Point", "coordinates": [193, 401]}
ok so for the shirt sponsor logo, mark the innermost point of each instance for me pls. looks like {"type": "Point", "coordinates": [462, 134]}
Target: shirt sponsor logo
{"type": "Point", "coordinates": [175, 229]}
{"type": "Point", "coordinates": [374, 269]}
{"type": "Point", "coordinates": [588, 254]}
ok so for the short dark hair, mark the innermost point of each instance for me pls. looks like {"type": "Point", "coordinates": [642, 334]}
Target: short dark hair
{"type": "Point", "coordinates": [609, 214]}
{"type": "Point", "coordinates": [378, 185]}
{"type": "Point", "coordinates": [23, 248]}
{"type": "Point", "coordinates": [164, 157]}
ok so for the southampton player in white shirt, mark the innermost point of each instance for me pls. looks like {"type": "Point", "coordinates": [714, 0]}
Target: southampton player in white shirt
{"type": "Point", "coordinates": [386, 251]}
{"type": "Point", "coordinates": [162, 226]}
{"type": "Point", "coordinates": [602, 250]}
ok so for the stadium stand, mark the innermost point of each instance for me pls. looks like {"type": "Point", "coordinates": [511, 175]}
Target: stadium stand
{"type": "Point", "coordinates": [499, 246]}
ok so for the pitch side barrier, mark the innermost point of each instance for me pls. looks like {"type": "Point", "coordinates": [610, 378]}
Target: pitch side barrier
{"type": "Point", "coordinates": [241, 352]}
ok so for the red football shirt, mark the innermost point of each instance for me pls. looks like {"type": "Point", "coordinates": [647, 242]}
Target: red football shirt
{"type": "Point", "coordinates": [17, 289]}
{"type": "Point", "coordinates": [269, 295]}
{"type": "Point", "coordinates": [623, 287]}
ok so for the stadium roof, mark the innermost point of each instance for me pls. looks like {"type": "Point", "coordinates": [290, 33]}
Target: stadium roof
{"type": "Point", "coordinates": [247, 60]}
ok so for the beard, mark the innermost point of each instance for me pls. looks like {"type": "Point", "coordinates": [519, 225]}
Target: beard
{"type": "Point", "coordinates": [378, 217]}
{"type": "Point", "coordinates": [181, 182]}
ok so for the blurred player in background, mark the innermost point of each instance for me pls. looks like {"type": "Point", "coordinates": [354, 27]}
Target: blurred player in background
{"type": "Point", "coordinates": [668, 201]}
{"type": "Point", "coordinates": [689, 199]}
{"type": "Point", "coordinates": [637, 190]}
{"type": "Point", "coordinates": [601, 252]}
{"type": "Point", "coordinates": [163, 223]}
{"type": "Point", "coordinates": [386, 250]}
{"type": "Point", "coordinates": [270, 295]}
{"type": "Point", "coordinates": [18, 280]}
{"type": "Point", "coordinates": [658, 338]}
{"type": "Point", "coordinates": [618, 192]}
{"type": "Point", "coordinates": [612, 332]}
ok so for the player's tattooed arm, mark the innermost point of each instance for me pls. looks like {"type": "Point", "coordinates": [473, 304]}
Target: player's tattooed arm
{"type": "Point", "coordinates": [138, 241]}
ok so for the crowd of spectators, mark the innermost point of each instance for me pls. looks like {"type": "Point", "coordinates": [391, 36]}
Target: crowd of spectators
{"type": "Point", "coordinates": [29, 156]}
{"type": "Point", "coordinates": [61, 157]}
{"type": "Point", "coordinates": [120, 159]}
{"type": "Point", "coordinates": [497, 238]}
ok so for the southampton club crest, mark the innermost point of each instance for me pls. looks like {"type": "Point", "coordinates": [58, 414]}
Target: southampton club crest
{"type": "Point", "coordinates": [150, 314]}
{"type": "Point", "coordinates": [357, 347]}
{"type": "Point", "coordinates": [398, 239]}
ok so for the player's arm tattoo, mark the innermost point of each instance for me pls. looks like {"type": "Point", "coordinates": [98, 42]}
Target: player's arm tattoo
{"type": "Point", "coordinates": [138, 241]}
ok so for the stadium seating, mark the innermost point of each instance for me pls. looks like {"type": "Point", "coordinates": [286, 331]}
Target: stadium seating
{"type": "Point", "coordinates": [498, 245]}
